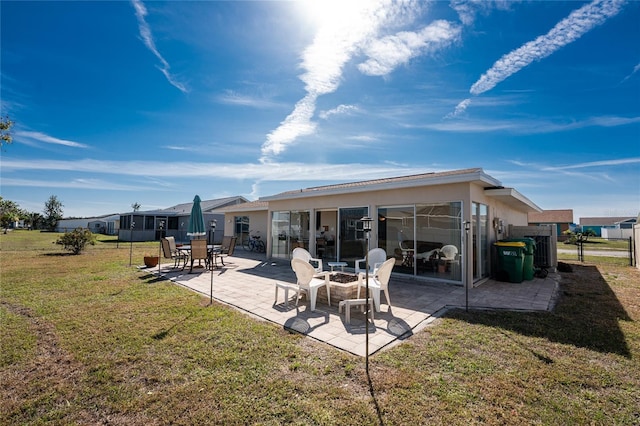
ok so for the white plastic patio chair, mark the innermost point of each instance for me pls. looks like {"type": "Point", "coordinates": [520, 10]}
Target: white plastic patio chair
{"type": "Point", "coordinates": [378, 282]}
{"type": "Point", "coordinates": [450, 253]}
{"type": "Point", "coordinates": [307, 281]}
{"type": "Point", "coordinates": [303, 254]}
{"type": "Point", "coordinates": [377, 256]}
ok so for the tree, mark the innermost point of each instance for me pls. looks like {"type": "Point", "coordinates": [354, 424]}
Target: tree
{"type": "Point", "coordinates": [135, 206]}
{"type": "Point", "coordinates": [35, 220]}
{"type": "Point", "coordinates": [76, 240]}
{"type": "Point", "coordinates": [9, 212]}
{"type": "Point", "coordinates": [5, 131]}
{"type": "Point", "coordinates": [53, 212]}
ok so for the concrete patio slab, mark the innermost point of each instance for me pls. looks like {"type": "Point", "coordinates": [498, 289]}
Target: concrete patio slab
{"type": "Point", "coordinates": [248, 284]}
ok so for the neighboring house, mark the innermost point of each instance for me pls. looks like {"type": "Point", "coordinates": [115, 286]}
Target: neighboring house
{"type": "Point", "coordinates": [414, 217]}
{"type": "Point", "coordinates": [561, 219]}
{"type": "Point", "coordinates": [174, 220]}
{"type": "Point", "coordinates": [596, 224]}
{"type": "Point", "coordinates": [108, 224]}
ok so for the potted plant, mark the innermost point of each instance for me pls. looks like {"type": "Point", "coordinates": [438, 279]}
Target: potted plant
{"type": "Point", "coordinates": [150, 260]}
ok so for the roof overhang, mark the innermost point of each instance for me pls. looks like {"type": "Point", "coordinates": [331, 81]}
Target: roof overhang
{"type": "Point", "coordinates": [476, 176]}
{"type": "Point", "coordinates": [513, 198]}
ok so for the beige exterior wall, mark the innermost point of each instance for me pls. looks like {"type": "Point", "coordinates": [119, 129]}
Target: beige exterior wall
{"type": "Point", "coordinates": [258, 223]}
{"type": "Point", "coordinates": [466, 193]}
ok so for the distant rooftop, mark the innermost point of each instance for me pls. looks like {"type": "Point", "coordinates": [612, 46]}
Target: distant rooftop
{"type": "Point", "coordinates": [551, 216]}
{"type": "Point", "coordinates": [604, 221]}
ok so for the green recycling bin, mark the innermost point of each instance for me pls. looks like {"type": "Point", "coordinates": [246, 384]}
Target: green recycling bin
{"type": "Point", "coordinates": [510, 261]}
{"type": "Point", "coordinates": [528, 270]}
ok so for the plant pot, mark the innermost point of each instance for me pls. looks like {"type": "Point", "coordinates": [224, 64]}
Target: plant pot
{"type": "Point", "coordinates": [150, 261]}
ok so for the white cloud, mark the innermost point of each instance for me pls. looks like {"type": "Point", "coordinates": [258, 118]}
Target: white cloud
{"type": "Point", "coordinates": [147, 38]}
{"type": "Point", "coordinates": [387, 53]}
{"type": "Point", "coordinates": [41, 137]}
{"type": "Point", "coordinates": [335, 44]}
{"type": "Point", "coordinates": [468, 9]}
{"type": "Point", "coordinates": [578, 23]}
{"type": "Point", "coordinates": [339, 110]}
{"type": "Point", "coordinates": [460, 108]}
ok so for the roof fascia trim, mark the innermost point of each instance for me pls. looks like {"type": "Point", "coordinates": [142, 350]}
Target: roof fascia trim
{"type": "Point", "coordinates": [478, 176]}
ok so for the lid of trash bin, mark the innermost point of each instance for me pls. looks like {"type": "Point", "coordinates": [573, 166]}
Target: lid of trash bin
{"type": "Point", "coordinates": [510, 244]}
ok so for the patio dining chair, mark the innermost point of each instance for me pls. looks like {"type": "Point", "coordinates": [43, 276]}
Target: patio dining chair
{"type": "Point", "coordinates": [308, 282]}
{"type": "Point", "coordinates": [379, 282]}
{"type": "Point", "coordinates": [227, 249]}
{"type": "Point", "coordinates": [174, 254]}
{"type": "Point", "coordinates": [377, 256]}
{"type": "Point", "coordinates": [199, 252]}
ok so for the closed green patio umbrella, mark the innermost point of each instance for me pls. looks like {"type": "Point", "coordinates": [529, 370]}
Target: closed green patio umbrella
{"type": "Point", "coordinates": [196, 220]}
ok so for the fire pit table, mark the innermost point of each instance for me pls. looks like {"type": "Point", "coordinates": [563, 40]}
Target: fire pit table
{"type": "Point", "coordinates": [344, 286]}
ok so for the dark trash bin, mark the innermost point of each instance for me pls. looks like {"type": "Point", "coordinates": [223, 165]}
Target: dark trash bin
{"type": "Point", "coordinates": [510, 261]}
{"type": "Point", "coordinates": [528, 269]}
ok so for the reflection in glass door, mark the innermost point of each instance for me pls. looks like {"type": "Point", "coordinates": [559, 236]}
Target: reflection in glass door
{"type": "Point", "coordinates": [289, 229]}
{"type": "Point", "coordinates": [351, 237]}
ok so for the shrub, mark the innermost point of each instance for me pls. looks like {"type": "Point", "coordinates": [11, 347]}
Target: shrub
{"type": "Point", "coordinates": [76, 240]}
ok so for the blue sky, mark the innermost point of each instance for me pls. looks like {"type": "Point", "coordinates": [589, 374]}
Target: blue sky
{"type": "Point", "coordinates": [153, 102]}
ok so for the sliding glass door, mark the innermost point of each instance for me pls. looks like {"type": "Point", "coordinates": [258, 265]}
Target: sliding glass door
{"type": "Point", "coordinates": [480, 243]}
{"type": "Point", "coordinates": [289, 229]}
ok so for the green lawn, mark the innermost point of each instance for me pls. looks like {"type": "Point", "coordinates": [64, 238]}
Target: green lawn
{"type": "Point", "coordinates": [89, 340]}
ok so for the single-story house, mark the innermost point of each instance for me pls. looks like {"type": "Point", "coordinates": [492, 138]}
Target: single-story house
{"type": "Point", "coordinates": [108, 224]}
{"type": "Point", "coordinates": [414, 218]}
{"type": "Point", "coordinates": [596, 224]}
{"type": "Point", "coordinates": [561, 219]}
{"type": "Point", "coordinates": [174, 221]}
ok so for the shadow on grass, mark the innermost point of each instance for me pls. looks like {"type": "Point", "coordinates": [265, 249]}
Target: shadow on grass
{"type": "Point", "coordinates": [152, 278]}
{"type": "Point", "coordinates": [163, 333]}
{"type": "Point", "coordinates": [587, 315]}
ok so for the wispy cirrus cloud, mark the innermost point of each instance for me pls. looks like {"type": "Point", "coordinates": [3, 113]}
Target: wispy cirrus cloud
{"type": "Point", "coordinates": [635, 70]}
{"type": "Point", "coordinates": [147, 39]}
{"type": "Point", "coordinates": [354, 30]}
{"type": "Point", "coordinates": [41, 137]}
{"type": "Point", "coordinates": [602, 163]}
{"type": "Point", "coordinates": [231, 97]}
{"type": "Point", "coordinates": [468, 9]}
{"type": "Point", "coordinates": [89, 184]}
{"type": "Point", "coordinates": [602, 170]}
{"type": "Point", "coordinates": [528, 126]}
{"type": "Point", "coordinates": [179, 170]}
{"type": "Point", "coordinates": [570, 29]}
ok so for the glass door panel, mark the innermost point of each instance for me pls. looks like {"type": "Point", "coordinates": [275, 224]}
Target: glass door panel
{"type": "Point", "coordinates": [396, 236]}
{"type": "Point", "coordinates": [289, 229]}
{"type": "Point", "coordinates": [480, 243]}
{"type": "Point", "coordinates": [280, 235]}
{"type": "Point", "coordinates": [438, 241]}
{"type": "Point", "coordinates": [351, 237]}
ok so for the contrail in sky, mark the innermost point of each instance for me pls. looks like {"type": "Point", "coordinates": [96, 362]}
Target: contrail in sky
{"type": "Point", "coordinates": [578, 23]}
{"type": "Point", "coordinates": [147, 38]}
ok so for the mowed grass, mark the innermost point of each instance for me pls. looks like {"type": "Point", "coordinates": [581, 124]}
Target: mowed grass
{"type": "Point", "coordinates": [89, 340]}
